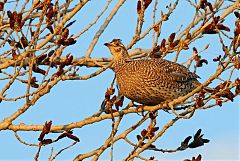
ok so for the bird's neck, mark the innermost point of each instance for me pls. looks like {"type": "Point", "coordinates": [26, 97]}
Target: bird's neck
{"type": "Point", "coordinates": [121, 56]}
{"type": "Point", "coordinates": [120, 59]}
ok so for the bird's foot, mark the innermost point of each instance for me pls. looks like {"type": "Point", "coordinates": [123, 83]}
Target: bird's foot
{"type": "Point", "coordinates": [164, 106]}
{"type": "Point", "coordinates": [141, 109]}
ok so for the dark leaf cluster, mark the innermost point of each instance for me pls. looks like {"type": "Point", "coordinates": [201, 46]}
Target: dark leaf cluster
{"type": "Point", "coordinates": [199, 158]}
{"type": "Point", "coordinates": [46, 130]}
{"type": "Point", "coordinates": [198, 141]}
{"type": "Point", "coordinates": [15, 20]}
{"type": "Point", "coordinates": [143, 5]}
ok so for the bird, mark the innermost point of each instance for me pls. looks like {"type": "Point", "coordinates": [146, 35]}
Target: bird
{"type": "Point", "coordinates": [150, 81]}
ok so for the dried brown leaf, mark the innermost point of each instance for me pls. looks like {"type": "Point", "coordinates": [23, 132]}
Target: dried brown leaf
{"type": "Point", "coordinates": [139, 7]}
{"type": "Point", "coordinates": [1, 6]}
{"type": "Point", "coordinates": [46, 141]}
{"type": "Point", "coordinates": [171, 37]}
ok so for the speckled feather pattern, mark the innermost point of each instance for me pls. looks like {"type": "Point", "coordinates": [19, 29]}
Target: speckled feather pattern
{"type": "Point", "coordinates": [153, 81]}
{"type": "Point", "coordinates": [150, 81]}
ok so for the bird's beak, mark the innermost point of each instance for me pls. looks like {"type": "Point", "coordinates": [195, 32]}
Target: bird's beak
{"type": "Point", "coordinates": [106, 44]}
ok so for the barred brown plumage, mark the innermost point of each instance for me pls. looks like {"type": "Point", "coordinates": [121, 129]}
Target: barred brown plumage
{"type": "Point", "coordinates": [150, 81]}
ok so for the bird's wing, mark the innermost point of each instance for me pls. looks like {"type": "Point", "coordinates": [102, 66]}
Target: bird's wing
{"type": "Point", "coordinates": [173, 71]}
{"type": "Point", "coordinates": [179, 72]}
{"type": "Point", "coordinates": [156, 69]}
{"type": "Point", "coordinates": [182, 77]}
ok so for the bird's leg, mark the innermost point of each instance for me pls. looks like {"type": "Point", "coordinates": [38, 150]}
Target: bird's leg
{"type": "Point", "coordinates": [140, 107]}
{"type": "Point", "coordinates": [132, 104]}
{"type": "Point", "coordinates": [163, 105]}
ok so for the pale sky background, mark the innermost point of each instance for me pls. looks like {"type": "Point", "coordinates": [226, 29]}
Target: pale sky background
{"type": "Point", "coordinates": [72, 101]}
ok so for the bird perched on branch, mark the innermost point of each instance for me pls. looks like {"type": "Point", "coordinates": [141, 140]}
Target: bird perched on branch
{"type": "Point", "coordinates": [150, 81]}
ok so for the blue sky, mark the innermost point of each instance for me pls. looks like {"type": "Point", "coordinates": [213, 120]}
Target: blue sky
{"type": "Point", "coordinates": [71, 101]}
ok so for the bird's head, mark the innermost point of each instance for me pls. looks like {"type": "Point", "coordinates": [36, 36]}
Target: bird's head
{"type": "Point", "coordinates": [117, 49]}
